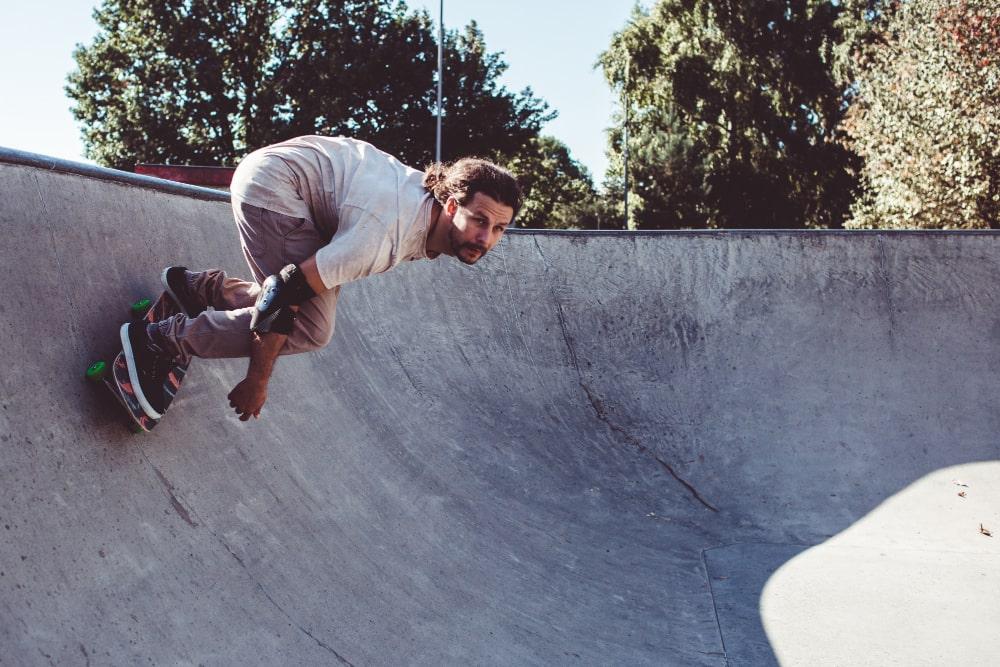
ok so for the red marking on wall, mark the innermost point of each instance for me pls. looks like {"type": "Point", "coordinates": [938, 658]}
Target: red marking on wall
{"type": "Point", "coordinates": [208, 177]}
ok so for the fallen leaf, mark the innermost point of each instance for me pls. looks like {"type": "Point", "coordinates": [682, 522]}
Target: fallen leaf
{"type": "Point", "coordinates": [985, 531]}
{"type": "Point", "coordinates": [961, 494]}
{"type": "Point", "coordinates": [958, 482]}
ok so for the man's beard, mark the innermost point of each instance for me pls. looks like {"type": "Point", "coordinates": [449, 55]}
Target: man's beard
{"type": "Point", "coordinates": [457, 247]}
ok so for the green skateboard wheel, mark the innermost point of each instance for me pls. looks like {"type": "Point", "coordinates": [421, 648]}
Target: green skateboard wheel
{"type": "Point", "coordinates": [97, 371]}
{"type": "Point", "coordinates": [140, 308]}
{"type": "Point", "coordinates": [135, 429]}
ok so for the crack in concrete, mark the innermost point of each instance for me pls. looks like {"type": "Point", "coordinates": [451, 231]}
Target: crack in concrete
{"type": "Point", "coordinates": [186, 515]}
{"type": "Point", "coordinates": [715, 606]}
{"type": "Point", "coordinates": [545, 261]}
{"type": "Point", "coordinates": [86, 655]}
{"type": "Point", "coordinates": [599, 410]}
{"type": "Point", "coordinates": [514, 310]}
{"type": "Point", "coordinates": [598, 407]}
{"type": "Point", "coordinates": [182, 511]}
{"type": "Point", "coordinates": [281, 610]}
{"type": "Point", "coordinates": [392, 348]}
{"type": "Point", "coordinates": [686, 484]}
{"type": "Point", "coordinates": [570, 345]}
{"type": "Point", "coordinates": [887, 289]}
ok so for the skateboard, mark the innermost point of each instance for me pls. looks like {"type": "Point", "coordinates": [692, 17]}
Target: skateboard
{"type": "Point", "coordinates": [115, 377]}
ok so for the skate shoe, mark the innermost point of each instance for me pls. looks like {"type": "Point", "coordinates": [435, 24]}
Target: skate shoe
{"type": "Point", "coordinates": [174, 279]}
{"type": "Point", "coordinates": [148, 368]}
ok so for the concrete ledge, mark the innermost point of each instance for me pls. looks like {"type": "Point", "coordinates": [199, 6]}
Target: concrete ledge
{"type": "Point", "coordinates": [13, 156]}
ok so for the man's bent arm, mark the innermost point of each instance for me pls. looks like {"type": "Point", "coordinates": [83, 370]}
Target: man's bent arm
{"type": "Point", "coordinates": [311, 272]}
{"type": "Point", "coordinates": [264, 352]}
{"type": "Point", "coordinates": [264, 349]}
{"type": "Point", "coordinates": [249, 395]}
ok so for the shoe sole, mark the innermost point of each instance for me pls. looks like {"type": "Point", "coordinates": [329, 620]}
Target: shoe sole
{"type": "Point", "coordinates": [166, 288]}
{"type": "Point", "coordinates": [133, 374]}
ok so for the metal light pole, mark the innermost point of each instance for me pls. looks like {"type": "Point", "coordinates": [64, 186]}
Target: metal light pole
{"type": "Point", "coordinates": [628, 63]}
{"type": "Point", "coordinates": [437, 152]}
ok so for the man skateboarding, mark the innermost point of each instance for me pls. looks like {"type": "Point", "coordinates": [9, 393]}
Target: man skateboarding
{"type": "Point", "coordinates": [314, 213]}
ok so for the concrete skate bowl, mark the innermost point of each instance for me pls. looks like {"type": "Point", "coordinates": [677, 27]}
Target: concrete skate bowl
{"type": "Point", "coordinates": [589, 449]}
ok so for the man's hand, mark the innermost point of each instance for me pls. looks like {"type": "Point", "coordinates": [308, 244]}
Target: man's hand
{"type": "Point", "coordinates": [248, 397]}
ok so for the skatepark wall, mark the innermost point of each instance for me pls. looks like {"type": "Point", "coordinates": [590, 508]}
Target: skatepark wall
{"type": "Point", "coordinates": [690, 448]}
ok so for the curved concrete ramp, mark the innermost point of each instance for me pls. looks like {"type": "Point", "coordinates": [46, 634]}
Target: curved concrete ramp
{"type": "Point", "coordinates": [642, 449]}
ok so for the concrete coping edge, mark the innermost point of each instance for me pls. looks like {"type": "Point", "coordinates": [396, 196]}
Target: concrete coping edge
{"type": "Point", "coordinates": [18, 157]}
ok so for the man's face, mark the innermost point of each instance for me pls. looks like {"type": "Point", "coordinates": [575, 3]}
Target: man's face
{"type": "Point", "coordinates": [477, 226]}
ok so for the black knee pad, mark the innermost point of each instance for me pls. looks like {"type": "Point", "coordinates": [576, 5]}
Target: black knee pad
{"type": "Point", "coordinates": [273, 312]}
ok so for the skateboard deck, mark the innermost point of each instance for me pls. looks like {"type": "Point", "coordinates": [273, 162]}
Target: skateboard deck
{"type": "Point", "coordinates": [116, 378]}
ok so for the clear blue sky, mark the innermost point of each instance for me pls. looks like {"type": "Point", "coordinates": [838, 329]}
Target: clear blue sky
{"type": "Point", "coordinates": [550, 45]}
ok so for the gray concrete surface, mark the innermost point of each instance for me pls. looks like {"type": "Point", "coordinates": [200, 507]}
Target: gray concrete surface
{"type": "Point", "coordinates": [590, 449]}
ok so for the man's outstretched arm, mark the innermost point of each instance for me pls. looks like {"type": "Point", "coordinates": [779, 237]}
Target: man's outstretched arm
{"type": "Point", "coordinates": [249, 396]}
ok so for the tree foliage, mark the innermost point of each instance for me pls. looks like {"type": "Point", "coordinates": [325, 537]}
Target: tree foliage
{"type": "Point", "coordinates": [206, 81]}
{"type": "Point", "coordinates": [926, 116]}
{"type": "Point", "coordinates": [172, 81]}
{"type": "Point", "coordinates": [559, 192]}
{"type": "Point", "coordinates": [734, 114]}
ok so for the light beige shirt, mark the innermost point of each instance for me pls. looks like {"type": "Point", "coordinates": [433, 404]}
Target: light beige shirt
{"type": "Point", "coordinates": [372, 206]}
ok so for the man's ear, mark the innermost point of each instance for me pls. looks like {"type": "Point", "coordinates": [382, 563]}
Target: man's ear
{"type": "Point", "coordinates": [451, 206]}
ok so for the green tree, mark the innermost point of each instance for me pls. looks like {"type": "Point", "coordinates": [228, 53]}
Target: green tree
{"type": "Point", "coordinates": [368, 70]}
{"type": "Point", "coordinates": [206, 81]}
{"type": "Point", "coordinates": [559, 192]}
{"type": "Point", "coordinates": [168, 81]}
{"type": "Point", "coordinates": [734, 115]}
{"type": "Point", "coordinates": [926, 115]}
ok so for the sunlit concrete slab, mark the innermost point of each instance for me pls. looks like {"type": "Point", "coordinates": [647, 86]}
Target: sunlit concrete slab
{"type": "Point", "coordinates": [912, 582]}
{"type": "Point", "coordinates": [691, 448]}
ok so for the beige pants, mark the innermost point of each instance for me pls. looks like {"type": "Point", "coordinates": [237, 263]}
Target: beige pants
{"type": "Point", "coordinates": [270, 241]}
